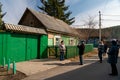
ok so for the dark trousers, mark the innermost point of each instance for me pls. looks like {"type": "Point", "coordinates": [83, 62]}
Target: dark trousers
{"type": "Point", "coordinates": [114, 69]}
{"type": "Point", "coordinates": [100, 56]}
{"type": "Point", "coordinates": [81, 59]}
{"type": "Point", "coordinates": [61, 56]}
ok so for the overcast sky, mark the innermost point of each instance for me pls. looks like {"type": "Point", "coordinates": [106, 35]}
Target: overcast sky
{"type": "Point", "coordinates": [81, 9]}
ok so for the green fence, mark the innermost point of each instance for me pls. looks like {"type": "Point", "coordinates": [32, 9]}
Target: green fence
{"type": "Point", "coordinates": [22, 47]}
{"type": "Point", "coordinates": [88, 47]}
{"type": "Point", "coordinates": [71, 51]}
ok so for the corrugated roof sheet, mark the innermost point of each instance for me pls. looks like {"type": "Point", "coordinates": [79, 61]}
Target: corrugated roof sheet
{"type": "Point", "coordinates": [52, 23]}
{"type": "Point", "coordinates": [25, 29]}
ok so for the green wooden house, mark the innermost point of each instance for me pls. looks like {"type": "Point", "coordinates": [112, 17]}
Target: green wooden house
{"type": "Point", "coordinates": [56, 29]}
{"type": "Point", "coordinates": [31, 38]}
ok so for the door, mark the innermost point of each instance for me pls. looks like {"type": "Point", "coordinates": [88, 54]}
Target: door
{"type": "Point", "coordinates": [31, 45]}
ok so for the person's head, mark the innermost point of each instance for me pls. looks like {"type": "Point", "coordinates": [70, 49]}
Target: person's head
{"type": "Point", "coordinates": [82, 42]}
{"type": "Point", "coordinates": [62, 42]}
{"type": "Point", "coordinates": [100, 42]}
{"type": "Point", "coordinates": [114, 42]}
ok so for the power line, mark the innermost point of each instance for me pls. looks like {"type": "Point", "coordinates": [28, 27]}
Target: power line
{"type": "Point", "coordinates": [110, 15]}
{"type": "Point", "coordinates": [109, 20]}
{"type": "Point", "coordinates": [105, 5]}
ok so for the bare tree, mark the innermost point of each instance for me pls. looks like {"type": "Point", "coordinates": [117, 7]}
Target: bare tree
{"type": "Point", "coordinates": [90, 23]}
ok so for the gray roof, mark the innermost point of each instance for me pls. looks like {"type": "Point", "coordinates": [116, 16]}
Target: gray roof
{"type": "Point", "coordinates": [53, 24]}
{"type": "Point", "coordinates": [24, 29]}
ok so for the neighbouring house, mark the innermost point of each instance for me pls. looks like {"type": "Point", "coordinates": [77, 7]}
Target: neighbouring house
{"type": "Point", "coordinates": [112, 32]}
{"type": "Point", "coordinates": [92, 35]}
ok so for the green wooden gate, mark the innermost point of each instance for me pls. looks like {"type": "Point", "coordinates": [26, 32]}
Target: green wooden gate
{"type": "Point", "coordinates": [18, 47]}
{"type": "Point", "coordinates": [1, 48]}
{"type": "Point", "coordinates": [43, 46]}
{"type": "Point", "coordinates": [31, 45]}
{"type": "Point", "coordinates": [15, 47]}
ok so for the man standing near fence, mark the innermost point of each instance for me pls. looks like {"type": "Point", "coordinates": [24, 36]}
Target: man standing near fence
{"type": "Point", "coordinates": [100, 51]}
{"type": "Point", "coordinates": [81, 47]}
{"type": "Point", "coordinates": [62, 50]}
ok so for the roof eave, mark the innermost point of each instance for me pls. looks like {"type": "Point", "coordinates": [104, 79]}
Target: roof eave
{"type": "Point", "coordinates": [64, 33]}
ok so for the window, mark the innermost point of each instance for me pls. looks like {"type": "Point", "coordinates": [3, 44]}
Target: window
{"type": "Point", "coordinates": [72, 42]}
{"type": "Point", "coordinates": [57, 39]}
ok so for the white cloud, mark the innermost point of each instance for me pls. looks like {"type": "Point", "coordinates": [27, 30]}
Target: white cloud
{"type": "Point", "coordinates": [71, 2]}
{"type": "Point", "coordinates": [112, 8]}
{"type": "Point", "coordinates": [15, 9]}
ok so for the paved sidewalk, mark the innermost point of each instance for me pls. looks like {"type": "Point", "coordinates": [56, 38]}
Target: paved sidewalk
{"type": "Point", "coordinates": [38, 65]}
{"type": "Point", "coordinates": [60, 67]}
{"type": "Point", "coordinates": [91, 70]}
{"type": "Point", "coordinates": [53, 69]}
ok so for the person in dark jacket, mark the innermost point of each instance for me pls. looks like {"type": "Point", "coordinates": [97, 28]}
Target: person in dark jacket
{"type": "Point", "coordinates": [81, 48]}
{"type": "Point", "coordinates": [118, 45]}
{"type": "Point", "coordinates": [112, 58]}
{"type": "Point", "coordinates": [105, 48]}
{"type": "Point", "coordinates": [100, 50]}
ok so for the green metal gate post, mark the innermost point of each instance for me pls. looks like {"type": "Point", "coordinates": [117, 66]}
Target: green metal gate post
{"type": "Point", "coordinates": [14, 68]}
{"type": "Point", "coordinates": [3, 62]}
{"type": "Point", "coordinates": [8, 68]}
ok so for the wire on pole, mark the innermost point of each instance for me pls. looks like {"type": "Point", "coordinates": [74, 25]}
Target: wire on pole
{"type": "Point", "coordinates": [110, 15]}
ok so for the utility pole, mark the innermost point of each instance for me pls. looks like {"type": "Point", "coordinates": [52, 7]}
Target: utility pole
{"type": "Point", "coordinates": [99, 26]}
